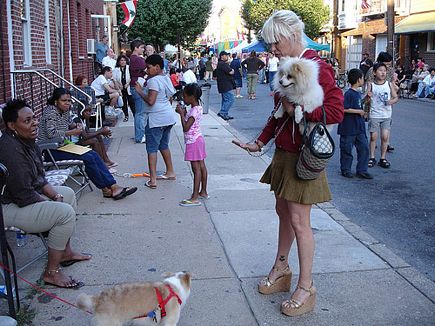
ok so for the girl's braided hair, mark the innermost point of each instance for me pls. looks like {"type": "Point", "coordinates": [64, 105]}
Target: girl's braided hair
{"type": "Point", "coordinates": [193, 89]}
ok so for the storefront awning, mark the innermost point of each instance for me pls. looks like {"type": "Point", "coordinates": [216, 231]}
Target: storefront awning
{"type": "Point", "coordinates": [416, 23]}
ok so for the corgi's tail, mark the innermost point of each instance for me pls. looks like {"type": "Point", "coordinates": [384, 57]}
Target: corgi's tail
{"type": "Point", "coordinates": [85, 302]}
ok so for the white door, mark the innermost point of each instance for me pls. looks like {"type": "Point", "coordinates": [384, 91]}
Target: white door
{"type": "Point", "coordinates": [381, 44]}
{"type": "Point", "coordinates": [354, 52]}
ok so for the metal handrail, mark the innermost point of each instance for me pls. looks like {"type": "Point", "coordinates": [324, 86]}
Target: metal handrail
{"type": "Point", "coordinates": [71, 84]}
{"type": "Point", "coordinates": [37, 72]}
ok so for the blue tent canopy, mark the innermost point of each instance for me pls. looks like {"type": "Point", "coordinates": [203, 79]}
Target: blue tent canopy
{"type": "Point", "coordinates": [257, 46]}
{"type": "Point", "coordinates": [260, 46]}
{"type": "Point", "coordinates": [316, 46]}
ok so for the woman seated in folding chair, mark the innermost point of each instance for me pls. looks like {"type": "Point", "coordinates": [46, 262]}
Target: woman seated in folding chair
{"type": "Point", "coordinates": [56, 123]}
{"type": "Point", "coordinates": [29, 201]}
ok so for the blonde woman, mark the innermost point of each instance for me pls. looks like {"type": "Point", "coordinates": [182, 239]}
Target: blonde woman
{"type": "Point", "coordinates": [294, 197]}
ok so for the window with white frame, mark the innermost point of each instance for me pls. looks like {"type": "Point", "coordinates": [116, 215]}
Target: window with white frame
{"type": "Point", "coordinates": [47, 32]}
{"type": "Point", "coordinates": [25, 22]}
{"type": "Point", "coordinates": [430, 42]}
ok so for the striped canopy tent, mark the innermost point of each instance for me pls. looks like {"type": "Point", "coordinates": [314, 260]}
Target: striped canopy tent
{"type": "Point", "coordinates": [239, 47]}
{"type": "Point", "coordinates": [227, 45]}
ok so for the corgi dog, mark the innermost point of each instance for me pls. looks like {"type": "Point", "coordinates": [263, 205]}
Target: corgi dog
{"type": "Point", "coordinates": [146, 303]}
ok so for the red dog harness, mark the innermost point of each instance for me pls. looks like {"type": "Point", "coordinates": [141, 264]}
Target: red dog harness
{"type": "Point", "coordinates": [162, 303]}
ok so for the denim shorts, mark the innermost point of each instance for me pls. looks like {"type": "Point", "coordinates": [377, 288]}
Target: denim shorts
{"type": "Point", "coordinates": [375, 124]}
{"type": "Point", "coordinates": [157, 138]}
{"type": "Point", "coordinates": [238, 82]}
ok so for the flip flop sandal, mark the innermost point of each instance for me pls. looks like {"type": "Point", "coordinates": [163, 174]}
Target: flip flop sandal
{"type": "Point", "coordinates": [372, 162]}
{"type": "Point", "coordinates": [384, 163]}
{"type": "Point", "coordinates": [189, 203]}
{"type": "Point", "coordinates": [70, 262]}
{"type": "Point", "coordinates": [127, 191]}
{"type": "Point", "coordinates": [76, 286]}
{"type": "Point", "coordinates": [149, 185]}
{"type": "Point", "coordinates": [204, 197]}
{"type": "Point", "coordinates": [164, 177]}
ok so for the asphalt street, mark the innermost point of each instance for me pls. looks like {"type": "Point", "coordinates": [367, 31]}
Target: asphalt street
{"type": "Point", "coordinates": [397, 207]}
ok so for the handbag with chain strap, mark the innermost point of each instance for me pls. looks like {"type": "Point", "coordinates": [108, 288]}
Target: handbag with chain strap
{"type": "Point", "coordinates": [316, 150]}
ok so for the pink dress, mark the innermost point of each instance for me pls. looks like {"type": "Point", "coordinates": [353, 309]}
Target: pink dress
{"type": "Point", "coordinates": [195, 145]}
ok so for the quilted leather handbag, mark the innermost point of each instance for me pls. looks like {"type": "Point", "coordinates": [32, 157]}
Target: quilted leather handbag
{"type": "Point", "coordinates": [316, 151]}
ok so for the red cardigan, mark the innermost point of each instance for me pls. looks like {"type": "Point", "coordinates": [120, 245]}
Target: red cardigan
{"type": "Point", "coordinates": [333, 104]}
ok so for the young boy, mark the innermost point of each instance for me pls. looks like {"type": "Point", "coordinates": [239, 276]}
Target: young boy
{"type": "Point", "coordinates": [382, 97]}
{"type": "Point", "coordinates": [352, 129]}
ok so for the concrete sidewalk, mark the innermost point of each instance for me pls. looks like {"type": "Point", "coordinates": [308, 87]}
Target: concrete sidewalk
{"type": "Point", "coordinates": [229, 243]}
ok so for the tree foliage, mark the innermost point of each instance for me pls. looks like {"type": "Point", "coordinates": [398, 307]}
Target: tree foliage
{"type": "Point", "coordinates": [169, 21]}
{"type": "Point", "coordinates": [312, 12]}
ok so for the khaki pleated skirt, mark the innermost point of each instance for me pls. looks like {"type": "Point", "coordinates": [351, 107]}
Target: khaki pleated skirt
{"type": "Point", "coordinates": [283, 180]}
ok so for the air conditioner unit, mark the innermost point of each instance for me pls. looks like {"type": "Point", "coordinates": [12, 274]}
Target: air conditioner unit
{"type": "Point", "coordinates": [90, 45]}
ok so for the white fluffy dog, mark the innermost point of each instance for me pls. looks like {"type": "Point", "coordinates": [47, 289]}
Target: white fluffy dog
{"type": "Point", "coordinates": [139, 302]}
{"type": "Point", "coordinates": [298, 80]}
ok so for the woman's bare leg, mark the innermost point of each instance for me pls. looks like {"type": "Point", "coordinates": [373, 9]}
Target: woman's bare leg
{"type": "Point", "coordinates": [286, 236]}
{"type": "Point", "coordinates": [301, 224]}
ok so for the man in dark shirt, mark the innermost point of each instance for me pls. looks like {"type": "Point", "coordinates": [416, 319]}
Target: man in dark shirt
{"type": "Point", "coordinates": [253, 65]}
{"type": "Point", "coordinates": [137, 70]}
{"type": "Point", "coordinates": [225, 83]}
{"type": "Point", "coordinates": [365, 64]}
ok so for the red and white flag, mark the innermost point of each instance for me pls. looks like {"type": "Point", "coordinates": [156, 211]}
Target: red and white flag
{"type": "Point", "coordinates": [365, 4]}
{"type": "Point", "coordinates": [129, 8]}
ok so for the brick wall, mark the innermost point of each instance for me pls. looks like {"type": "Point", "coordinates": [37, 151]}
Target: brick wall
{"type": "Point", "coordinates": [35, 89]}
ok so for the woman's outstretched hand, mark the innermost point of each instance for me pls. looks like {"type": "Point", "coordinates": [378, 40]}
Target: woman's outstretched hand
{"type": "Point", "coordinates": [249, 147]}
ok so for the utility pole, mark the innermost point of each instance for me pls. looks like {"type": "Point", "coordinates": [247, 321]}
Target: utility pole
{"type": "Point", "coordinates": [390, 28]}
{"type": "Point", "coordinates": [335, 39]}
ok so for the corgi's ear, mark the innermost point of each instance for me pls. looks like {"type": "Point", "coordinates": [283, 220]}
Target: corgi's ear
{"type": "Point", "coordinates": [185, 279]}
{"type": "Point", "coordinates": [167, 274]}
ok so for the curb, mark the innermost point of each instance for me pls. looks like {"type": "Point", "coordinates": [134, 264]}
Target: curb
{"type": "Point", "coordinates": [416, 279]}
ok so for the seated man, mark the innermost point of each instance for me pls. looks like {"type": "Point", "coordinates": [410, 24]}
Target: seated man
{"type": "Point", "coordinates": [105, 90]}
{"type": "Point", "coordinates": [189, 77]}
{"type": "Point", "coordinates": [29, 201]}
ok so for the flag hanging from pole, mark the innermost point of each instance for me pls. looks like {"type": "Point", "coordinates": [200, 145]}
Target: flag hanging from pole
{"type": "Point", "coordinates": [365, 4]}
{"type": "Point", "coordinates": [129, 8]}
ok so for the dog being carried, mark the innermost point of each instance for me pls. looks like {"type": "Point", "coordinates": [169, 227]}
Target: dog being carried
{"type": "Point", "coordinates": [142, 302]}
{"type": "Point", "coordinates": [298, 80]}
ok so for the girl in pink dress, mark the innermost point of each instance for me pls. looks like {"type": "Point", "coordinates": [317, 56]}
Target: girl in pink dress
{"type": "Point", "coordinates": [195, 145]}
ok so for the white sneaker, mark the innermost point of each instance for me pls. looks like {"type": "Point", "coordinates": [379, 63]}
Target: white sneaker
{"type": "Point", "coordinates": [143, 141]}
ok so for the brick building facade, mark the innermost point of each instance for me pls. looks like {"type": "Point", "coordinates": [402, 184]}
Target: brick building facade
{"type": "Point", "coordinates": [364, 30]}
{"type": "Point", "coordinates": [45, 34]}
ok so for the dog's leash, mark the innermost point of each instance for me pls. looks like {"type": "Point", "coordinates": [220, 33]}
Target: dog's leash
{"type": "Point", "coordinates": [42, 290]}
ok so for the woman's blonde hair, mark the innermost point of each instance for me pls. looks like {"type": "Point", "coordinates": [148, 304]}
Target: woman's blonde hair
{"type": "Point", "coordinates": [283, 24]}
